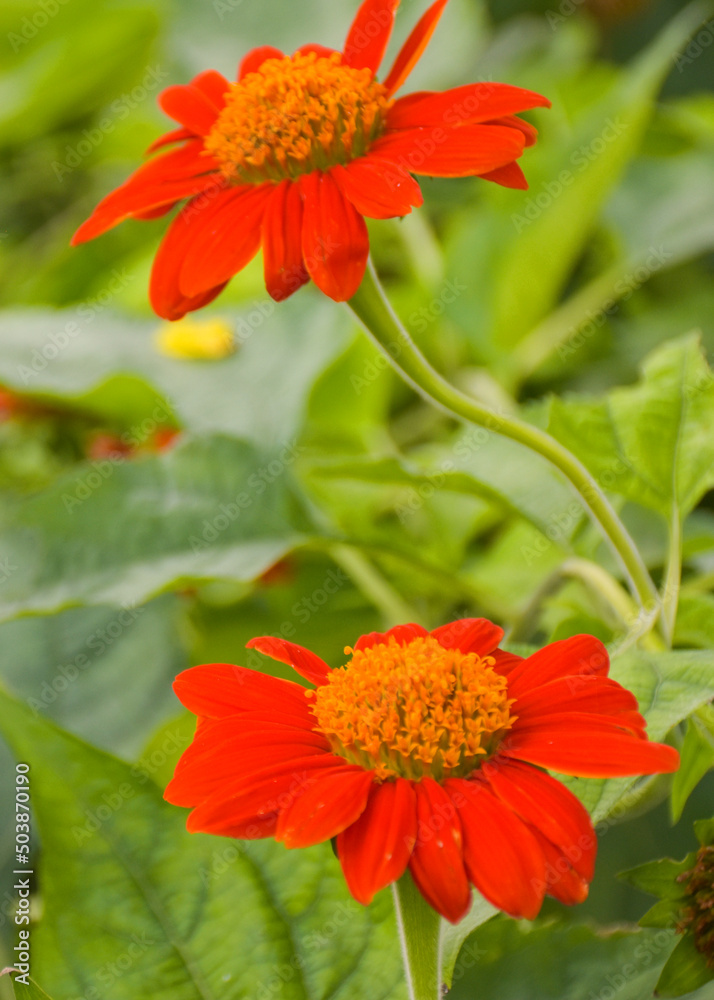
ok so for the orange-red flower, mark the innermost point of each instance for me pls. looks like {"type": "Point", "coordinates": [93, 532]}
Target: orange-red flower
{"type": "Point", "coordinates": [423, 752]}
{"type": "Point", "coordinates": [296, 153]}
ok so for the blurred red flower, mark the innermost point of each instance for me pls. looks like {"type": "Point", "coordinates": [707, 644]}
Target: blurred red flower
{"type": "Point", "coordinates": [424, 751]}
{"type": "Point", "coordinates": [296, 153]}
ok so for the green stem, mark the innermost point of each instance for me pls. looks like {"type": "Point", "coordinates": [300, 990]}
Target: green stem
{"type": "Point", "coordinates": [382, 595]}
{"type": "Point", "coordinates": [374, 312]}
{"type": "Point", "coordinates": [419, 930]}
{"type": "Point", "coordinates": [672, 577]}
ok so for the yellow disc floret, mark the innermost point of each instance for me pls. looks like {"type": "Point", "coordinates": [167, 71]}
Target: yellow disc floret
{"type": "Point", "coordinates": [295, 115]}
{"type": "Point", "coordinates": [414, 710]}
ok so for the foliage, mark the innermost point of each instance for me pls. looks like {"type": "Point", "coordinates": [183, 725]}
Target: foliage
{"type": "Point", "coordinates": [157, 512]}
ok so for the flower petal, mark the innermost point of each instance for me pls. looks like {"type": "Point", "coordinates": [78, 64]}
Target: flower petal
{"type": "Point", "coordinates": [377, 188]}
{"type": "Point", "coordinates": [217, 690]}
{"type": "Point", "coordinates": [590, 751]}
{"type": "Point", "coordinates": [599, 695]}
{"type": "Point", "coordinates": [178, 135]}
{"type": "Point", "coordinates": [226, 240]}
{"type": "Point", "coordinates": [214, 86]}
{"type": "Point", "coordinates": [333, 802]}
{"type": "Point", "coordinates": [562, 880]}
{"type": "Point", "coordinates": [369, 35]}
{"type": "Point", "coordinates": [546, 804]}
{"type": "Point", "coordinates": [510, 176]}
{"type": "Point", "coordinates": [268, 791]}
{"type": "Point", "coordinates": [335, 243]}
{"type": "Point", "coordinates": [468, 105]}
{"type": "Point", "coordinates": [505, 662]}
{"type": "Point", "coordinates": [414, 46]}
{"type": "Point", "coordinates": [402, 634]}
{"type": "Point", "coordinates": [513, 121]}
{"type": "Point", "coordinates": [254, 60]}
{"type": "Point", "coordinates": [470, 635]}
{"type": "Point", "coordinates": [190, 107]}
{"type": "Point", "coordinates": [321, 51]}
{"type": "Point", "coordinates": [282, 242]}
{"type": "Point", "coordinates": [307, 663]}
{"type": "Point", "coordinates": [502, 858]}
{"type": "Point", "coordinates": [219, 769]}
{"type": "Point", "coordinates": [374, 850]}
{"type": "Point", "coordinates": [464, 151]}
{"type": "Point", "coordinates": [167, 299]}
{"type": "Point", "coordinates": [165, 179]}
{"type": "Point", "coordinates": [436, 864]}
{"type": "Point", "coordinates": [579, 656]}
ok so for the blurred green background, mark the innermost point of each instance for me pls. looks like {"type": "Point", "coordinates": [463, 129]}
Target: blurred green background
{"type": "Point", "coordinates": [563, 289]}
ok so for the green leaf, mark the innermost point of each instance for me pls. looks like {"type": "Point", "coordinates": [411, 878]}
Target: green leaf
{"type": "Point", "coordinates": [697, 755]}
{"type": "Point", "coordinates": [695, 619]}
{"type": "Point", "coordinates": [134, 903]}
{"type": "Point", "coordinates": [652, 443]}
{"type": "Point", "coordinates": [454, 935]}
{"type": "Point", "coordinates": [704, 831]}
{"type": "Point", "coordinates": [211, 508]}
{"type": "Point", "coordinates": [669, 687]}
{"type": "Point", "coordinates": [29, 991]}
{"type": "Point", "coordinates": [659, 878]}
{"type": "Point", "coordinates": [476, 463]}
{"type": "Point", "coordinates": [593, 158]}
{"type": "Point", "coordinates": [686, 970]}
{"type": "Point", "coordinates": [568, 962]}
{"type": "Point", "coordinates": [102, 673]}
{"type": "Point", "coordinates": [111, 367]}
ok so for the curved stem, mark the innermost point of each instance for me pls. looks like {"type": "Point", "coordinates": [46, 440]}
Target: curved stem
{"type": "Point", "coordinates": [394, 610]}
{"type": "Point", "coordinates": [419, 935]}
{"type": "Point", "coordinates": [375, 314]}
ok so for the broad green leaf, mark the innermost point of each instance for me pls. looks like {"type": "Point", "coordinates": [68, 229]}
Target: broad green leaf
{"type": "Point", "coordinates": [211, 508]}
{"type": "Point", "coordinates": [695, 621]}
{"type": "Point", "coordinates": [686, 970]}
{"type": "Point", "coordinates": [697, 755]}
{"type": "Point", "coordinates": [648, 244]}
{"type": "Point", "coordinates": [453, 936]}
{"type": "Point", "coordinates": [111, 367]}
{"type": "Point", "coordinates": [654, 442]}
{"type": "Point", "coordinates": [27, 991]}
{"type": "Point", "coordinates": [511, 960]}
{"type": "Point", "coordinates": [477, 463]}
{"type": "Point", "coordinates": [577, 177]}
{"type": "Point", "coordinates": [102, 673]}
{"type": "Point", "coordinates": [669, 687]}
{"type": "Point", "coordinates": [135, 906]}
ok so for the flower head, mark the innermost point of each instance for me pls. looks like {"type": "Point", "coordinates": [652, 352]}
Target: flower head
{"type": "Point", "coordinates": [423, 751]}
{"type": "Point", "coordinates": [698, 912]}
{"type": "Point", "coordinates": [295, 154]}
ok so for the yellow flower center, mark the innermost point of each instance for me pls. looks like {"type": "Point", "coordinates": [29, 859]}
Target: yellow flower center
{"type": "Point", "coordinates": [295, 115]}
{"type": "Point", "coordinates": [414, 710]}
